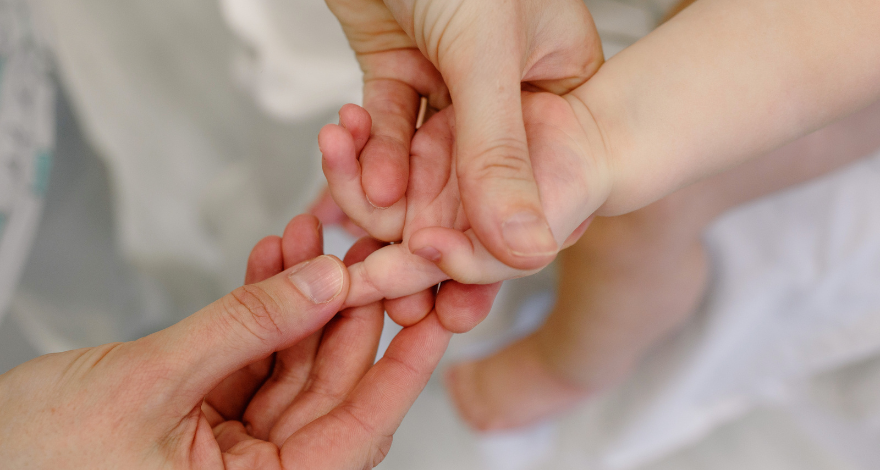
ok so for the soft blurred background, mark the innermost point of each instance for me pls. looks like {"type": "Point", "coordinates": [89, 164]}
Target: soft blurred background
{"type": "Point", "coordinates": [185, 131]}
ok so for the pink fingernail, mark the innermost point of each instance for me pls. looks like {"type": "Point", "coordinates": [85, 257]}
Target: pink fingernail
{"type": "Point", "coordinates": [321, 279]}
{"type": "Point", "coordinates": [526, 234]}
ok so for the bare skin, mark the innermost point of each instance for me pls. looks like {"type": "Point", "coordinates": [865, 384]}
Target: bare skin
{"type": "Point", "coordinates": [630, 281]}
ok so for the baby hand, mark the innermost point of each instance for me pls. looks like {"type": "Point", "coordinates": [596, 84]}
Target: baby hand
{"type": "Point", "coordinates": [437, 242]}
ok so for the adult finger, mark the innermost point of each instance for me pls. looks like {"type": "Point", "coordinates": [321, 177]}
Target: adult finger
{"type": "Point", "coordinates": [498, 189]}
{"type": "Point", "coordinates": [298, 368]}
{"type": "Point", "coordinates": [361, 426]}
{"type": "Point", "coordinates": [347, 350]}
{"type": "Point", "coordinates": [497, 185]}
{"type": "Point", "coordinates": [411, 309]}
{"type": "Point", "coordinates": [302, 239]}
{"type": "Point", "coordinates": [247, 325]}
{"type": "Point", "coordinates": [265, 260]}
{"type": "Point", "coordinates": [461, 307]}
{"type": "Point", "coordinates": [231, 396]}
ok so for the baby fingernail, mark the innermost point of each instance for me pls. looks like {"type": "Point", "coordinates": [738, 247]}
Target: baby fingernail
{"type": "Point", "coordinates": [526, 234]}
{"type": "Point", "coordinates": [429, 253]}
{"type": "Point", "coordinates": [320, 279]}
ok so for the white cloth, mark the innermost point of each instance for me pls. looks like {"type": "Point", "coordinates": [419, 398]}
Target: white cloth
{"type": "Point", "coordinates": [199, 173]}
{"type": "Point", "coordinates": [26, 139]}
{"type": "Point", "coordinates": [298, 62]}
{"type": "Point", "coordinates": [188, 151]}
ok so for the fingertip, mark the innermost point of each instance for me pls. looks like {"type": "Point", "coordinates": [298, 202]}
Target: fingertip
{"type": "Point", "coordinates": [265, 260]}
{"type": "Point", "coordinates": [409, 310]}
{"type": "Point", "coordinates": [578, 232]}
{"type": "Point", "coordinates": [358, 122]}
{"type": "Point", "coordinates": [324, 281]}
{"type": "Point", "coordinates": [302, 240]}
{"type": "Point", "coordinates": [509, 222]}
{"type": "Point", "coordinates": [384, 179]}
{"type": "Point", "coordinates": [337, 148]}
{"type": "Point", "coordinates": [528, 242]}
{"type": "Point", "coordinates": [461, 307]}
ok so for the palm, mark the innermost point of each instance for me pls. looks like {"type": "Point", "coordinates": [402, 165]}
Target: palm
{"type": "Point", "coordinates": [302, 402]}
{"type": "Point", "coordinates": [279, 411]}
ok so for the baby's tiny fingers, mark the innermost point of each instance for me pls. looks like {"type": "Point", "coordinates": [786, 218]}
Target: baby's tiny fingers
{"type": "Point", "coordinates": [343, 173]}
{"type": "Point", "coordinates": [390, 273]}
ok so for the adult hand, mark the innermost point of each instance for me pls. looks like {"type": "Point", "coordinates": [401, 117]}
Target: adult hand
{"type": "Point", "coordinates": [175, 399]}
{"type": "Point", "coordinates": [478, 55]}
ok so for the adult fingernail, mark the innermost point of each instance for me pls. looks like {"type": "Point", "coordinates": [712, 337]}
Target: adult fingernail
{"type": "Point", "coordinates": [429, 253]}
{"type": "Point", "coordinates": [320, 279]}
{"type": "Point", "coordinates": [526, 234]}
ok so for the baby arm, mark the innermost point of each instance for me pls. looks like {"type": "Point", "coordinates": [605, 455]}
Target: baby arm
{"type": "Point", "coordinates": [726, 81]}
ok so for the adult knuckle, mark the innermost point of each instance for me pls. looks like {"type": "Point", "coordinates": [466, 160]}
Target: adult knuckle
{"type": "Point", "coordinates": [505, 159]}
{"type": "Point", "coordinates": [254, 309]}
{"type": "Point", "coordinates": [351, 414]}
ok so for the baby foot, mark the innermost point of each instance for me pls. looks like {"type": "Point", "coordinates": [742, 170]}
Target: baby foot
{"type": "Point", "coordinates": [512, 388]}
{"type": "Point", "coordinates": [627, 283]}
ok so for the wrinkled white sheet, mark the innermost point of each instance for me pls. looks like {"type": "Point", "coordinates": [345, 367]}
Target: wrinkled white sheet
{"type": "Point", "coordinates": [198, 172]}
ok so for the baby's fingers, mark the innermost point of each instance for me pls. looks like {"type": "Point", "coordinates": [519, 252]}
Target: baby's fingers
{"type": "Point", "coordinates": [390, 273]}
{"type": "Point", "coordinates": [339, 146]}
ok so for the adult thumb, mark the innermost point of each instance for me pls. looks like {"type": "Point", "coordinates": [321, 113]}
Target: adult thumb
{"type": "Point", "coordinates": [497, 185]}
{"type": "Point", "coordinates": [249, 324]}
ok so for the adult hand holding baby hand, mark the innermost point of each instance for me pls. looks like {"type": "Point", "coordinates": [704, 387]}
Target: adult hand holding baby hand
{"type": "Point", "coordinates": [570, 165]}
{"type": "Point", "coordinates": [479, 55]}
{"type": "Point", "coordinates": [254, 380]}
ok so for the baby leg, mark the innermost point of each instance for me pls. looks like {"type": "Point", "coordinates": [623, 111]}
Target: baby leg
{"type": "Point", "coordinates": [630, 281]}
